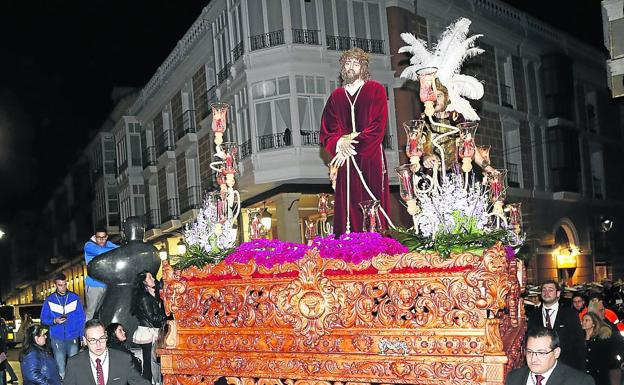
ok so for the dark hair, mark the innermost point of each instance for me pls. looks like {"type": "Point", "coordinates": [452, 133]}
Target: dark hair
{"type": "Point", "coordinates": [541, 331]}
{"type": "Point", "coordinates": [596, 296]}
{"type": "Point", "coordinates": [139, 290]}
{"type": "Point", "coordinates": [30, 343]}
{"type": "Point", "coordinates": [577, 294]}
{"type": "Point", "coordinates": [112, 336]}
{"type": "Point", "coordinates": [93, 323]}
{"type": "Point", "coordinates": [100, 230]}
{"type": "Point", "coordinates": [59, 277]}
{"type": "Point", "coordinates": [557, 286]}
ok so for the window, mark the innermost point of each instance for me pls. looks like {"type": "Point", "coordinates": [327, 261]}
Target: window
{"type": "Point", "coordinates": [513, 154]}
{"type": "Point", "coordinates": [200, 94]}
{"type": "Point", "coordinates": [508, 97]}
{"type": "Point", "coordinates": [597, 169]}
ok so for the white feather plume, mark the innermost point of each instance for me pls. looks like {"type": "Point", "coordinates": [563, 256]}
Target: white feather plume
{"type": "Point", "coordinates": [452, 49]}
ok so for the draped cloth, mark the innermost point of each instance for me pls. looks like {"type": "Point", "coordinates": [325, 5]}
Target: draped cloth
{"type": "Point", "coordinates": [371, 116]}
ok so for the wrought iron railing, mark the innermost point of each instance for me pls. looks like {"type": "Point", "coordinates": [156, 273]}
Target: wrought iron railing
{"type": "Point", "coordinates": [166, 141]}
{"type": "Point", "coordinates": [266, 142]}
{"type": "Point", "coordinates": [190, 199]}
{"type": "Point", "coordinates": [343, 43]}
{"type": "Point", "coordinates": [506, 99]}
{"type": "Point", "coordinates": [152, 219]}
{"type": "Point", "coordinates": [513, 178]}
{"type": "Point", "coordinates": [224, 73]}
{"type": "Point", "coordinates": [149, 156]}
{"type": "Point", "coordinates": [245, 149]}
{"type": "Point", "coordinates": [172, 210]}
{"type": "Point", "coordinates": [238, 51]}
{"type": "Point", "coordinates": [266, 40]}
{"type": "Point", "coordinates": [306, 36]}
{"type": "Point", "coordinates": [310, 138]}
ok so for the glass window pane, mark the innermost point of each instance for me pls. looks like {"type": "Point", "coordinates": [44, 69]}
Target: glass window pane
{"type": "Point", "coordinates": [256, 24]}
{"type": "Point", "coordinates": [329, 17]}
{"type": "Point", "coordinates": [284, 85]}
{"type": "Point", "coordinates": [320, 85]}
{"type": "Point", "coordinates": [317, 106]}
{"type": "Point", "coordinates": [295, 13]}
{"type": "Point", "coordinates": [274, 13]}
{"type": "Point", "coordinates": [310, 12]}
{"type": "Point", "coordinates": [263, 119]}
{"type": "Point", "coordinates": [309, 80]}
{"type": "Point", "coordinates": [343, 18]}
{"type": "Point", "coordinates": [304, 114]}
{"type": "Point", "coordinates": [374, 21]}
{"type": "Point", "coordinates": [300, 85]}
{"type": "Point", "coordinates": [282, 114]}
{"type": "Point", "coordinates": [358, 19]}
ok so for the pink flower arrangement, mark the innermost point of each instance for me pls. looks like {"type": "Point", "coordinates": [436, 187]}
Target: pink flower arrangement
{"type": "Point", "coordinates": [353, 247]}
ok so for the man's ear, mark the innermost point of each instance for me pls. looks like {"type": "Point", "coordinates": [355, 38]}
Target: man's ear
{"type": "Point", "coordinates": [557, 352]}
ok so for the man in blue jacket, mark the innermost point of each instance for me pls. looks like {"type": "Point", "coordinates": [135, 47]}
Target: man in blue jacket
{"type": "Point", "coordinates": [62, 312]}
{"type": "Point", "coordinates": [94, 289]}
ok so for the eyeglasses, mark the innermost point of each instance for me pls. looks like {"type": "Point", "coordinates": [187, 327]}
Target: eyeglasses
{"type": "Point", "coordinates": [104, 237]}
{"type": "Point", "coordinates": [93, 341]}
{"type": "Point", "coordinates": [538, 354]}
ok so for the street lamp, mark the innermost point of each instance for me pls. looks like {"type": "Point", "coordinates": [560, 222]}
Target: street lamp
{"type": "Point", "coordinates": [1, 234]}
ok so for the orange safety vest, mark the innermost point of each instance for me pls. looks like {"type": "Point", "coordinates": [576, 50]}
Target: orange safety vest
{"type": "Point", "coordinates": [610, 315]}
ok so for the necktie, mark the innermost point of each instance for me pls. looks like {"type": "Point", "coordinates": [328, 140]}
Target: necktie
{"type": "Point", "coordinates": [539, 377]}
{"type": "Point", "coordinates": [100, 372]}
{"type": "Point", "coordinates": [548, 324]}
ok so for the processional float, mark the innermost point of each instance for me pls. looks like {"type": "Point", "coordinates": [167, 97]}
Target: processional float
{"type": "Point", "coordinates": [438, 303]}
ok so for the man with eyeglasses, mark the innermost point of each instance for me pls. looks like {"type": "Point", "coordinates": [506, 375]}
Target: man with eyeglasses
{"type": "Point", "coordinates": [99, 365]}
{"type": "Point", "coordinates": [564, 320]}
{"type": "Point", "coordinates": [543, 367]}
{"type": "Point", "coordinates": [94, 289]}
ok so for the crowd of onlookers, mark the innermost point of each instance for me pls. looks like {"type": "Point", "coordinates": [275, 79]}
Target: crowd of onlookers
{"type": "Point", "coordinates": [63, 337]}
{"type": "Point", "coordinates": [586, 332]}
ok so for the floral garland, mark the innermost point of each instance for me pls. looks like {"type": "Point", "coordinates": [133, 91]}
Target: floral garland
{"type": "Point", "coordinates": [352, 248]}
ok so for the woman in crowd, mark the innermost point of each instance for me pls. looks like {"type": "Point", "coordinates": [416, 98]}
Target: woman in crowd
{"type": "Point", "coordinates": [36, 359]}
{"type": "Point", "coordinates": [598, 345]}
{"type": "Point", "coordinates": [117, 340]}
{"type": "Point", "coordinates": [148, 309]}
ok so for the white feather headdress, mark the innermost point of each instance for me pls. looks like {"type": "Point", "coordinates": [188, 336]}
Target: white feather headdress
{"type": "Point", "coordinates": [448, 56]}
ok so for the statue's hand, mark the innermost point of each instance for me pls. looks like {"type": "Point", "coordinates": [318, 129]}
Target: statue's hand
{"type": "Point", "coordinates": [430, 161]}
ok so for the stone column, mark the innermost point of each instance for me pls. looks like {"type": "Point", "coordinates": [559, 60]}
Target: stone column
{"type": "Point", "coordinates": [286, 216]}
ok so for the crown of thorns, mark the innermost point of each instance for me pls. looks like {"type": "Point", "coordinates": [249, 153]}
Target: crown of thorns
{"type": "Point", "coordinates": [354, 53]}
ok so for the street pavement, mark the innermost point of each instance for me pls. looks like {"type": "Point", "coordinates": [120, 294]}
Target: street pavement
{"type": "Point", "coordinates": [13, 356]}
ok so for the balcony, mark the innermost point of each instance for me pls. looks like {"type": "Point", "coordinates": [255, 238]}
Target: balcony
{"type": "Point", "coordinates": [152, 219]}
{"type": "Point", "coordinates": [238, 51]}
{"type": "Point", "coordinates": [149, 156]}
{"type": "Point", "coordinates": [310, 138]}
{"type": "Point", "coordinates": [165, 142]}
{"type": "Point", "coordinates": [224, 73]}
{"type": "Point", "coordinates": [266, 142]}
{"type": "Point", "coordinates": [306, 36]}
{"type": "Point", "coordinates": [188, 122]}
{"type": "Point", "coordinates": [245, 149]}
{"type": "Point", "coordinates": [266, 40]}
{"type": "Point", "coordinates": [343, 43]}
{"type": "Point", "coordinates": [172, 210]}
{"type": "Point", "coordinates": [190, 199]}
{"type": "Point", "coordinates": [513, 178]}
{"type": "Point", "coordinates": [506, 96]}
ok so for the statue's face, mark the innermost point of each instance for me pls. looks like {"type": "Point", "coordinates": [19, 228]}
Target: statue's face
{"type": "Point", "coordinates": [351, 70]}
{"type": "Point", "coordinates": [441, 100]}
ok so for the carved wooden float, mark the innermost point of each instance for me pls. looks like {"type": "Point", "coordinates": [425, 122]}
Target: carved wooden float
{"type": "Point", "coordinates": [411, 318]}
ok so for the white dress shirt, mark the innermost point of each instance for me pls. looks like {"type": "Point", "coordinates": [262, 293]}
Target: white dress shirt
{"type": "Point", "coordinates": [104, 361]}
{"type": "Point", "coordinates": [531, 380]}
{"type": "Point", "coordinates": [554, 308]}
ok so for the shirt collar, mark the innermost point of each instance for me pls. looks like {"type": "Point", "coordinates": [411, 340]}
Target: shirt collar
{"type": "Point", "coordinates": [102, 357]}
{"type": "Point", "coordinates": [546, 375]}
{"type": "Point", "coordinates": [553, 307]}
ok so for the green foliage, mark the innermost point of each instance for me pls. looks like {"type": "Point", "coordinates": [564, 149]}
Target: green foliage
{"type": "Point", "coordinates": [198, 257]}
{"type": "Point", "coordinates": [446, 243]}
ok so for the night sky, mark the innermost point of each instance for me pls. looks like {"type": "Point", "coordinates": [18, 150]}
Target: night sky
{"type": "Point", "coordinates": [59, 61]}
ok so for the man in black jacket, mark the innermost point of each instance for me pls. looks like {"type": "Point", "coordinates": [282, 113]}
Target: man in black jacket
{"type": "Point", "coordinates": [543, 367]}
{"type": "Point", "coordinates": [564, 320]}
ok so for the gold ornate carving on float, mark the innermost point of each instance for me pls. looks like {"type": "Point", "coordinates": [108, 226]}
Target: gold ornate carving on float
{"type": "Point", "coordinates": [411, 318]}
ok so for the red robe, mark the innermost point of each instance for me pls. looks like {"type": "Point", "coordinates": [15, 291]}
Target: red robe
{"type": "Point", "coordinates": [371, 116]}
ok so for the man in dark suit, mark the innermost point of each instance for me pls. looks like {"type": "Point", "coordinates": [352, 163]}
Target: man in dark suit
{"type": "Point", "coordinates": [99, 365]}
{"type": "Point", "coordinates": [543, 367]}
{"type": "Point", "coordinates": [564, 320]}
